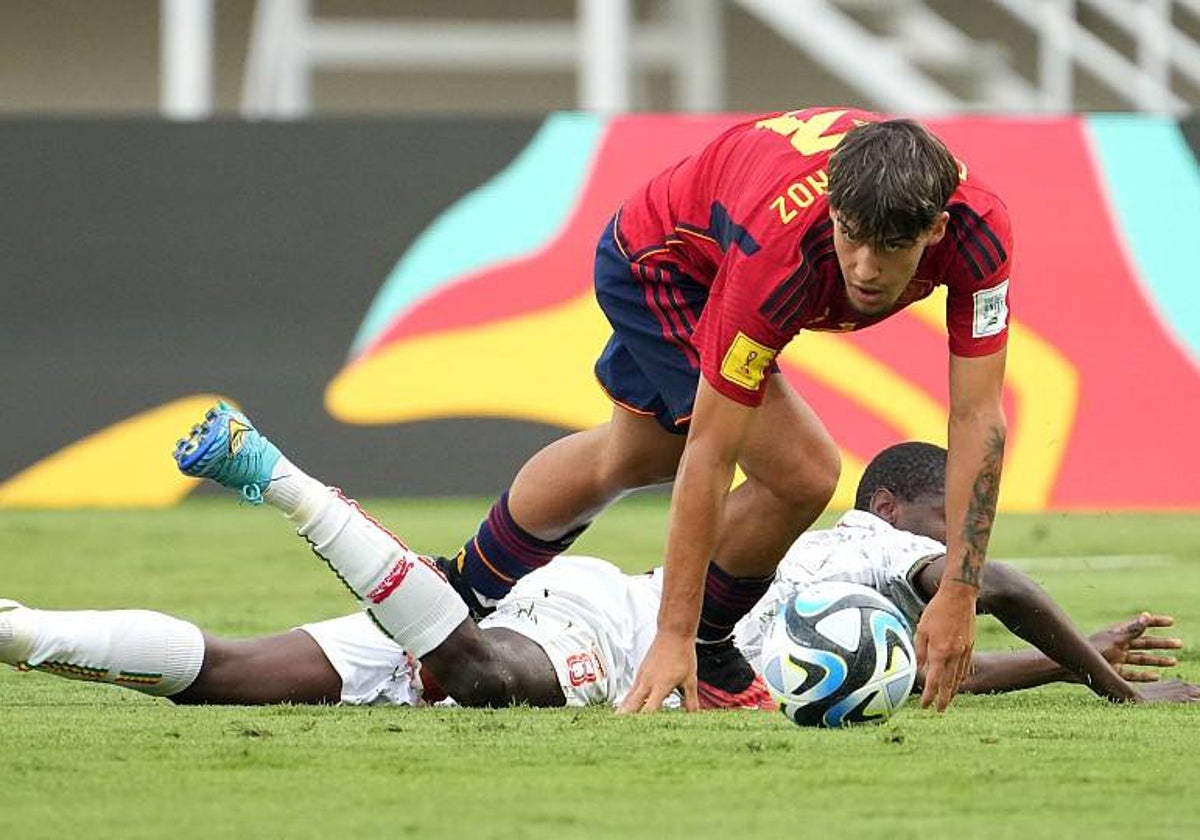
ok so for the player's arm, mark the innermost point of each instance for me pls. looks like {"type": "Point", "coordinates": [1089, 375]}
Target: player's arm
{"type": "Point", "coordinates": [977, 431]}
{"type": "Point", "coordinates": [718, 429]}
{"type": "Point", "coordinates": [1123, 645]}
{"type": "Point", "coordinates": [999, 672]}
{"type": "Point", "coordinates": [1030, 613]}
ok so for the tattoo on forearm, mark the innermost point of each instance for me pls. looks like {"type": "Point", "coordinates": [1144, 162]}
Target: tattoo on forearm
{"type": "Point", "coordinates": [981, 511]}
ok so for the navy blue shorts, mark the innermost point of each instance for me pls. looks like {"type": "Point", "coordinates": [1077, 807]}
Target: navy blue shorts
{"type": "Point", "coordinates": [648, 365]}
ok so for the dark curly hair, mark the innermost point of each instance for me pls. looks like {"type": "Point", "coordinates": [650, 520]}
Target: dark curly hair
{"type": "Point", "coordinates": [909, 470]}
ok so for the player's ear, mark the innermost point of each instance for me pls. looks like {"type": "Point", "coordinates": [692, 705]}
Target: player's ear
{"type": "Point", "coordinates": [883, 505]}
{"type": "Point", "coordinates": [938, 229]}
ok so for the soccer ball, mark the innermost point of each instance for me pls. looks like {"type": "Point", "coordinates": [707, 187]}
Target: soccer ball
{"type": "Point", "coordinates": [837, 654]}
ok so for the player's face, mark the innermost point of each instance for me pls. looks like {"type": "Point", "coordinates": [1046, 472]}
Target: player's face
{"type": "Point", "coordinates": [924, 515]}
{"type": "Point", "coordinates": [876, 273]}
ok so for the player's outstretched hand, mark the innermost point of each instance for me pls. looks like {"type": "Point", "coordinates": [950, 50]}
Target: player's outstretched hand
{"type": "Point", "coordinates": [945, 638]}
{"type": "Point", "coordinates": [1168, 691]}
{"type": "Point", "coordinates": [1126, 644]}
{"type": "Point", "coordinates": [669, 664]}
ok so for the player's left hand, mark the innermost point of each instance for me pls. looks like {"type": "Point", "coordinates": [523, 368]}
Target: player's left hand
{"type": "Point", "coordinates": [1169, 691]}
{"type": "Point", "coordinates": [1126, 644]}
{"type": "Point", "coordinates": [945, 639]}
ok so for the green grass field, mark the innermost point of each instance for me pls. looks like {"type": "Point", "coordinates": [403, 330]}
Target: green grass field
{"type": "Point", "coordinates": [81, 759]}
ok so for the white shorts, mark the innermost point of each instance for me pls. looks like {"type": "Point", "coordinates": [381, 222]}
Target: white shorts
{"type": "Point", "coordinates": [594, 621]}
{"type": "Point", "coordinates": [374, 669]}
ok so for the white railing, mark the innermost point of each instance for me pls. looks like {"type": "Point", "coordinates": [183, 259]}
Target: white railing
{"type": "Point", "coordinates": [1161, 47]}
{"type": "Point", "coordinates": [1064, 43]}
{"type": "Point", "coordinates": [186, 67]}
{"type": "Point", "coordinates": [866, 61]}
{"type": "Point", "coordinates": [609, 49]}
{"type": "Point", "coordinates": [603, 45]}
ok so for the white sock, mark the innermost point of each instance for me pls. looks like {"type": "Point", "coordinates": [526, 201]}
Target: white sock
{"type": "Point", "coordinates": [6, 629]}
{"type": "Point", "coordinates": [293, 492]}
{"type": "Point", "coordinates": [404, 592]}
{"type": "Point", "coordinates": [139, 649]}
{"type": "Point", "coordinates": [370, 560]}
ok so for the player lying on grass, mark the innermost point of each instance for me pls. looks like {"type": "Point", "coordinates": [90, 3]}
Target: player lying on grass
{"type": "Point", "coordinates": [571, 633]}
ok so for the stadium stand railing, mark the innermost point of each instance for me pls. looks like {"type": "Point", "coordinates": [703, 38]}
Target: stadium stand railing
{"type": "Point", "coordinates": [927, 56]}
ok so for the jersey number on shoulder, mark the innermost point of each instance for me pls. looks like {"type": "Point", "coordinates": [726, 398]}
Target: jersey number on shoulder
{"type": "Point", "coordinates": [807, 136]}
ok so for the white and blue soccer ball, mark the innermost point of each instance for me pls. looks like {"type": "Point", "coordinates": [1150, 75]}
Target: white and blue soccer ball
{"type": "Point", "coordinates": [839, 654]}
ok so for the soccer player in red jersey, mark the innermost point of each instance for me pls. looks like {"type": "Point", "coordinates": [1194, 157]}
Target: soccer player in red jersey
{"type": "Point", "coordinates": [819, 219]}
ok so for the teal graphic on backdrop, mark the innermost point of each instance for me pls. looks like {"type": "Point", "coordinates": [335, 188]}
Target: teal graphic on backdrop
{"type": "Point", "coordinates": [1158, 209]}
{"type": "Point", "coordinates": [481, 229]}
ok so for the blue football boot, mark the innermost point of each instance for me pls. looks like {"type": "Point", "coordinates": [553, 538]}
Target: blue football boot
{"type": "Point", "coordinates": [228, 449]}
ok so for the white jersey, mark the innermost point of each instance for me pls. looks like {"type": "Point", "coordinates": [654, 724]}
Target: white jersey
{"type": "Point", "coordinates": [860, 548]}
{"type": "Point", "coordinates": [596, 622]}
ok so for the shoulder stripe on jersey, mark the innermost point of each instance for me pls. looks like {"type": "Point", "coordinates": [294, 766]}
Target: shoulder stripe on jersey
{"type": "Point", "coordinates": [794, 321]}
{"type": "Point", "coordinates": [819, 238]}
{"type": "Point", "coordinates": [987, 231]}
{"type": "Point", "coordinates": [771, 306]}
{"type": "Point", "coordinates": [976, 270]}
{"type": "Point", "coordinates": [976, 241]}
{"type": "Point", "coordinates": [794, 304]}
{"type": "Point", "coordinates": [784, 306]}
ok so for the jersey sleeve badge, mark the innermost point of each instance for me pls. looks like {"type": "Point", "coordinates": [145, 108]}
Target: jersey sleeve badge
{"type": "Point", "coordinates": [991, 311]}
{"type": "Point", "coordinates": [747, 362]}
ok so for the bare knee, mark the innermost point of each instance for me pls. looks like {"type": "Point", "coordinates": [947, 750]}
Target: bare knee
{"type": "Point", "coordinates": [805, 482]}
{"type": "Point", "coordinates": [638, 452]}
{"type": "Point", "coordinates": [823, 469]}
{"type": "Point", "coordinates": [629, 470]}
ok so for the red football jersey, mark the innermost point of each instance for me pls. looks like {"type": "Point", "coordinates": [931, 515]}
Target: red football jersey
{"type": "Point", "coordinates": [747, 217]}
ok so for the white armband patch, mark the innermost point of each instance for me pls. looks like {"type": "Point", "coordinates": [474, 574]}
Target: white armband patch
{"type": "Point", "coordinates": [991, 311]}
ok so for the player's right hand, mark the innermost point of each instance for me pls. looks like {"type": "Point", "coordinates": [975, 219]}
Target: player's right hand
{"type": "Point", "coordinates": [944, 640]}
{"type": "Point", "coordinates": [669, 664]}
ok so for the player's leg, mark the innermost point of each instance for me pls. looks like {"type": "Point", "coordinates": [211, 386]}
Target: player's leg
{"type": "Point", "coordinates": [569, 482]}
{"type": "Point", "coordinates": [405, 594]}
{"type": "Point", "coordinates": [651, 380]}
{"type": "Point", "coordinates": [345, 659]}
{"type": "Point", "coordinates": [791, 466]}
{"type": "Point", "coordinates": [339, 660]}
{"type": "Point", "coordinates": [557, 493]}
{"type": "Point", "coordinates": [143, 650]}
{"type": "Point", "coordinates": [165, 656]}
{"type": "Point", "coordinates": [285, 668]}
